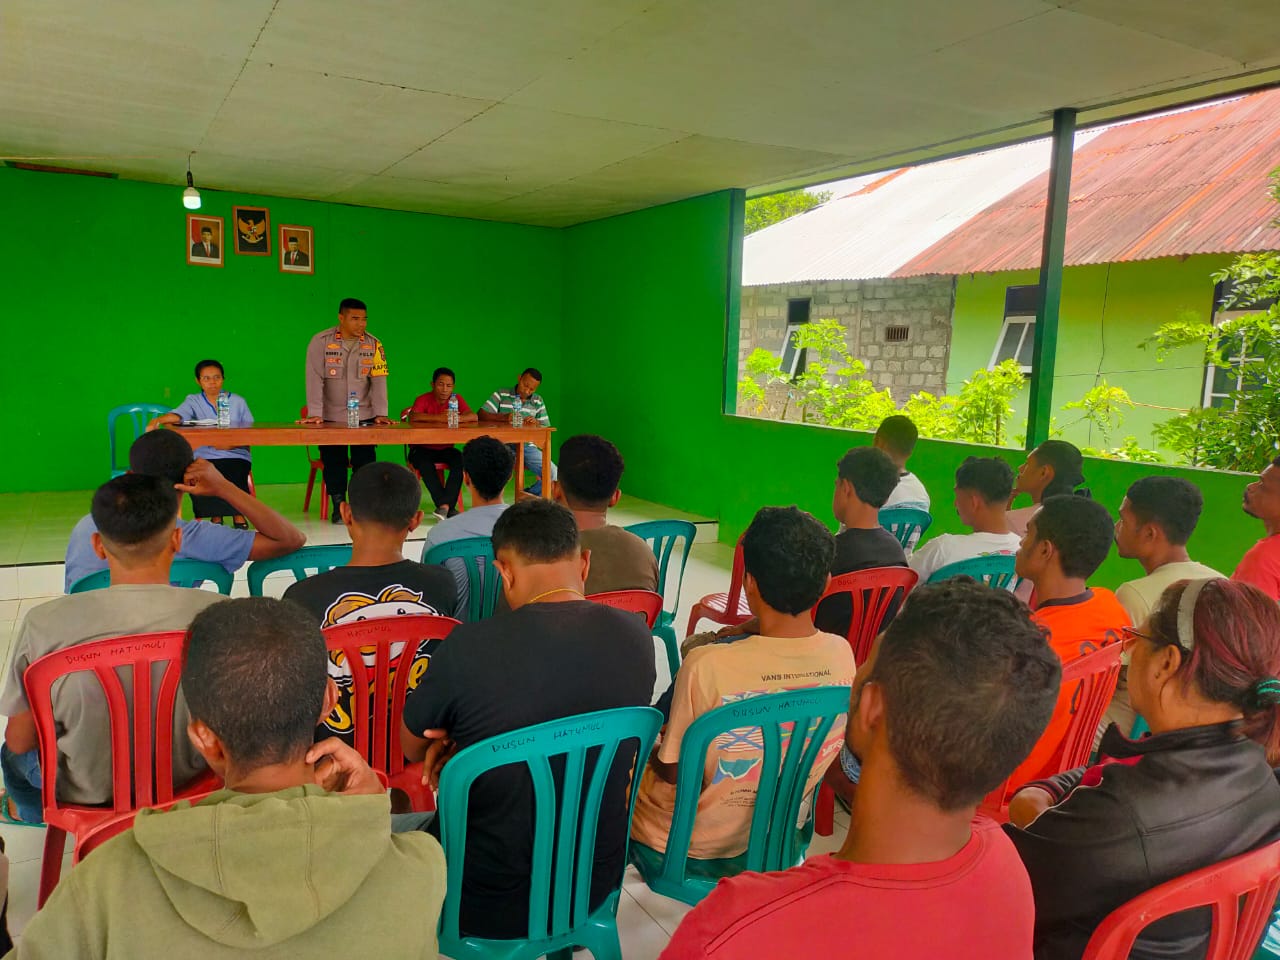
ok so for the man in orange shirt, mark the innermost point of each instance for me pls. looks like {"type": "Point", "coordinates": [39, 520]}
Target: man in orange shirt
{"type": "Point", "coordinates": [1066, 541]}
{"type": "Point", "coordinates": [1260, 566]}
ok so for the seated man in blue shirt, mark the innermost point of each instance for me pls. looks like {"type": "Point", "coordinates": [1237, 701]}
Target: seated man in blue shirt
{"type": "Point", "coordinates": [167, 455]}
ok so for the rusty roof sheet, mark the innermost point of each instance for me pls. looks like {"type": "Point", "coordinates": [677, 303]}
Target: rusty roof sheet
{"type": "Point", "coordinates": [1190, 182]}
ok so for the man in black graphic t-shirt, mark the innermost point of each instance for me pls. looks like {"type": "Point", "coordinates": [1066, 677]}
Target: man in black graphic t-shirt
{"type": "Point", "coordinates": [381, 509]}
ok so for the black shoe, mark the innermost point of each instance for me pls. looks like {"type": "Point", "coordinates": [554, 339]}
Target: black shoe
{"type": "Point", "coordinates": [335, 515]}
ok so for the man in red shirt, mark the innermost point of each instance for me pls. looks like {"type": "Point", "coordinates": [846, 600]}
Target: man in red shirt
{"type": "Point", "coordinates": [1261, 565]}
{"type": "Point", "coordinates": [941, 714]}
{"type": "Point", "coordinates": [433, 408]}
{"type": "Point", "coordinates": [1066, 541]}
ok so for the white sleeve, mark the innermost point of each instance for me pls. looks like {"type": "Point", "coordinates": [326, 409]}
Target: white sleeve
{"type": "Point", "coordinates": [928, 558]}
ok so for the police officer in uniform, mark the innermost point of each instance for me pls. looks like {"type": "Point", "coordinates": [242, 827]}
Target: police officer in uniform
{"type": "Point", "coordinates": [340, 361]}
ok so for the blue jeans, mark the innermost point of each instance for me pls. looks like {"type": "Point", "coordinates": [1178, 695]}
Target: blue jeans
{"type": "Point", "coordinates": [22, 782]}
{"type": "Point", "coordinates": [533, 465]}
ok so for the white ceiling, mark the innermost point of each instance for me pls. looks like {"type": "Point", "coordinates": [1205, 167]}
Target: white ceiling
{"type": "Point", "coordinates": [559, 111]}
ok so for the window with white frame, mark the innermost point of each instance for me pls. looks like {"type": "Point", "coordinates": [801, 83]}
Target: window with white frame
{"type": "Point", "coordinates": [1018, 333]}
{"type": "Point", "coordinates": [1221, 382]}
{"type": "Point", "coordinates": [794, 358]}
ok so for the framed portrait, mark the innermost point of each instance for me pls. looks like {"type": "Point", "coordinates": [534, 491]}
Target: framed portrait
{"type": "Point", "coordinates": [204, 240]}
{"type": "Point", "coordinates": [253, 231]}
{"type": "Point", "coordinates": [297, 249]}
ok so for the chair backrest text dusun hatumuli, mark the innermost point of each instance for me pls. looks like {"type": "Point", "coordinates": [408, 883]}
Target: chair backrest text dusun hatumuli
{"type": "Point", "coordinates": [565, 826]}
{"type": "Point", "coordinates": [646, 603]}
{"type": "Point", "coordinates": [483, 581]}
{"type": "Point", "coordinates": [872, 594]}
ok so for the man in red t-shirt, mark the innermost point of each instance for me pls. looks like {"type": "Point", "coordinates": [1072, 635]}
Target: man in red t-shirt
{"type": "Point", "coordinates": [1066, 541]}
{"type": "Point", "coordinates": [1261, 565]}
{"type": "Point", "coordinates": [433, 408]}
{"type": "Point", "coordinates": [941, 714]}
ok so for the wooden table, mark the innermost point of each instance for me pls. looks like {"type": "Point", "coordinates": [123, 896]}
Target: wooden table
{"type": "Point", "coordinates": [333, 434]}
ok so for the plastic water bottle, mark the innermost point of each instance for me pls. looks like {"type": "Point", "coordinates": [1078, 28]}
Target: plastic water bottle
{"type": "Point", "coordinates": [224, 410]}
{"type": "Point", "coordinates": [453, 413]}
{"type": "Point", "coordinates": [517, 412]}
{"type": "Point", "coordinates": [353, 410]}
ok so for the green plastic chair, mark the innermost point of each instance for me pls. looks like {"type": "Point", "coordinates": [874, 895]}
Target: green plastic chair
{"type": "Point", "coordinates": [662, 536]}
{"type": "Point", "coordinates": [995, 570]}
{"type": "Point", "coordinates": [182, 573]}
{"type": "Point", "coordinates": [476, 554]}
{"type": "Point", "coordinates": [776, 842]}
{"type": "Point", "coordinates": [139, 414]}
{"type": "Point", "coordinates": [907, 524]}
{"type": "Point", "coordinates": [302, 563]}
{"type": "Point", "coordinates": [564, 836]}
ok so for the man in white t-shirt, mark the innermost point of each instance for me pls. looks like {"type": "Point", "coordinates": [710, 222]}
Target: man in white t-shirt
{"type": "Point", "coordinates": [896, 436]}
{"type": "Point", "coordinates": [983, 486]}
{"type": "Point", "coordinates": [1157, 517]}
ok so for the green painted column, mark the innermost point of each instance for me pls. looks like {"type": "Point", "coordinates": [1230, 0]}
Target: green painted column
{"type": "Point", "coordinates": [733, 298]}
{"type": "Point", "coordinates": [1045, 350]}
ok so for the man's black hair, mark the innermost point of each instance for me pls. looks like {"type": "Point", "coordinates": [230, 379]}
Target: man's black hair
{"type": "Point", "coordinates": [1080, 529]}
{"type": "Point", "coordinates": [964, 707]}
{"type": "Point", "coordinates": [590, 470]}
{"type": "Point", "coordinates": [292, 240]}
{"type": "Point", "coordinates": [254, 670]}
{"type": "Point", "coordinates": [208, 230]}
{"type": "Point", "coordinates": [384, 493]}
{"type": "Point", "coordinates": [989, 477]}
{"type": "Point", "coordinates": [899, 434]}
{"type": "Point", "coordinates": [209, 363]}
{"type": "Point", "coordinates": [161, 453]}
{"type": "Point", "coordinates": [540, 531]}
{"type": "Point", "coordinates": [1068, 467]}
{"type": "Point", "coordinates": [871, 472]}
{"type": "Point", "coordinates": [789, 553]}
{"type": "Point", "coordinates": [533, 372]}
{"type": "Point", "coordinates": [133, 508]}
{"type": "Point", "coordinates": [1171, 503]}
{"type": "Point", "coordinates": [351, 303]}
{"type": "Point", "coordinates": [489, 464]}
{"type": "Point", "coordinates": [443, 372]}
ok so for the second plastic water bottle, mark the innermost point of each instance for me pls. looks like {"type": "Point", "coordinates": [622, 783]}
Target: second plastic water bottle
{"type": "Point", "coordinates": [353, 410]}
{"type": "Point", "coordinates": [224, 410]}
{"type": "Point", "coordinates": [517, 413]}
{"type": "Point", "coordinates": [453, 413]}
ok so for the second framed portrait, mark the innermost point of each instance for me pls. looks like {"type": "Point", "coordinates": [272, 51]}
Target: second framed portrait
{"type": "Point", "coordinates": [297, 249]}
{"type": "Point", "coordinates": [253, 231]}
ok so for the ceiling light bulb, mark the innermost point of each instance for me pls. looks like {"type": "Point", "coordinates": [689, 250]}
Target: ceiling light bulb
{"type": "Point", "coordinates": [191, 196]}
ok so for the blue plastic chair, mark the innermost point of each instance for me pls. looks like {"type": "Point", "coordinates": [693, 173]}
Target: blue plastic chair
{"type": "Point", "coordinates": [995, 570]}
{"type": "Point", "coordinates": [139, 414]}
{"type": "Point", "coordinates": [302, 563]}
{"type": "Point", "coordinates": [476, 555]}
{"type": "Point", "coordinates": [776, 843]}
{"type": "Point", "coordinates": [564, 832]}
{"type": "Point", "coordinates": [182, 573]}
{"type": "Point", "coordinates": [662, 536]}
{"type": "Point", "coordinates": [907, 524]}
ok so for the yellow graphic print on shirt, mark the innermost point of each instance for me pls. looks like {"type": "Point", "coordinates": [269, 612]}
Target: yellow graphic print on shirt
{"type": "Point", "coordinates": [395, 600]}
{"type": "Point", "coordinates": [379, 368]}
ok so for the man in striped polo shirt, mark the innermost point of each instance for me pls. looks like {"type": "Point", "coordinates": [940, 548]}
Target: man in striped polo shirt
{"type": "Point", "coordinates": [497, 409]}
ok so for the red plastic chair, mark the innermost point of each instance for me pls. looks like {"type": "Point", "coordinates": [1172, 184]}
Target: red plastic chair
{"type": "Point", "coordinates": [137, 740]}
{"type": "Point", "coordinates": [1089, 681]}
{"type": "Point", "coordinates": [317, 466]}
{"type": "Point", "coordinates": [368, 647]}
{"type": "Point", "coordinates": [1240, 892]}
{"type": "Point", "coordinates": [644, 602]}
{"type": "Point", "coordinates": [404, 418]}
{"type": "Point", "coordinates": [873, 593]}
{"type": "Point", "coordinates": [728, 609]}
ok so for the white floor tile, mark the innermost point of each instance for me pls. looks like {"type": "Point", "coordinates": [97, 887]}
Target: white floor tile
{"type": "Point", "coordinates": [9, 609]}
{"type": "Point", "coordinates": [22, 843]}
{"type": "Point", "coordinates": [8, 583]}
{"type": "Point", "coordinates": [641, 936]}
{"type": "Point", "coordinates": [40, 581]}
{"type": "Point", "coordinates": [664, 911]}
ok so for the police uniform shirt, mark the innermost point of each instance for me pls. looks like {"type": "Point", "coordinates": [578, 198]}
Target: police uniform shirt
{"type": "Point", "coordinates": [337, 367]}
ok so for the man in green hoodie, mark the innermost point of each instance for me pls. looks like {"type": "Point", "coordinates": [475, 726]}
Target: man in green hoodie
{"type": "Point", "coordinates": [295, 858]}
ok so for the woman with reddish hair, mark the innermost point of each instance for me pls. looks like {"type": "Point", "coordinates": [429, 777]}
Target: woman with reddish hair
{"type": "Point", "coordinates": [1203, 672]}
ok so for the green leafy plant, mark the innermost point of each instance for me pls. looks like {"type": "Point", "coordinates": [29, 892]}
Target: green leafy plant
{"type": "Point", "coordinates": [766, 211]}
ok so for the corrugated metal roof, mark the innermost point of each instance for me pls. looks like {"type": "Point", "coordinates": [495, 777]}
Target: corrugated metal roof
{"type": "Point", "coordinates": [1190, 182]}
{"type": "Point", "coordinates": [889, 219]}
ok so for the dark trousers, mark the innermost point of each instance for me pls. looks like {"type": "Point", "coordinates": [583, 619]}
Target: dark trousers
{"type": "Point", "coordinates": [424, 461]}
{"type": "Point", "coordinates": [336, 462]}
{"type": "Point", "coordinates": [235, 470]}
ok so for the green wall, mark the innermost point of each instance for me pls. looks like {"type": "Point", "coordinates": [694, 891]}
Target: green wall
{"type": "Point", "coordinates": [1107, 310]}
{"type": "Point", "coordinates": [109, 312]}
{"type": "Point", "coordinates": [646, 319]}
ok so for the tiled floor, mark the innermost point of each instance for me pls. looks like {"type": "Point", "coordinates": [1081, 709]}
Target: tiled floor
{"type": "Point", "coordinates": [33, 531]}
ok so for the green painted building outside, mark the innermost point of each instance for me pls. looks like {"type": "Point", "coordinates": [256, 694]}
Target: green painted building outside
{"type": "Point", "coordinates": [1108, 310]}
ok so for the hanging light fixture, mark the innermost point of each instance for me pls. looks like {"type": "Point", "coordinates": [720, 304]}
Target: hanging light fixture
{"type": "Point", "coordinates": [190, 196]}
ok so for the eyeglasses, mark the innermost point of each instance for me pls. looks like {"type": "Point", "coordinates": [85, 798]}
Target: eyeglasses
{"type": "Point", "coordinates": [1129, 634]}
